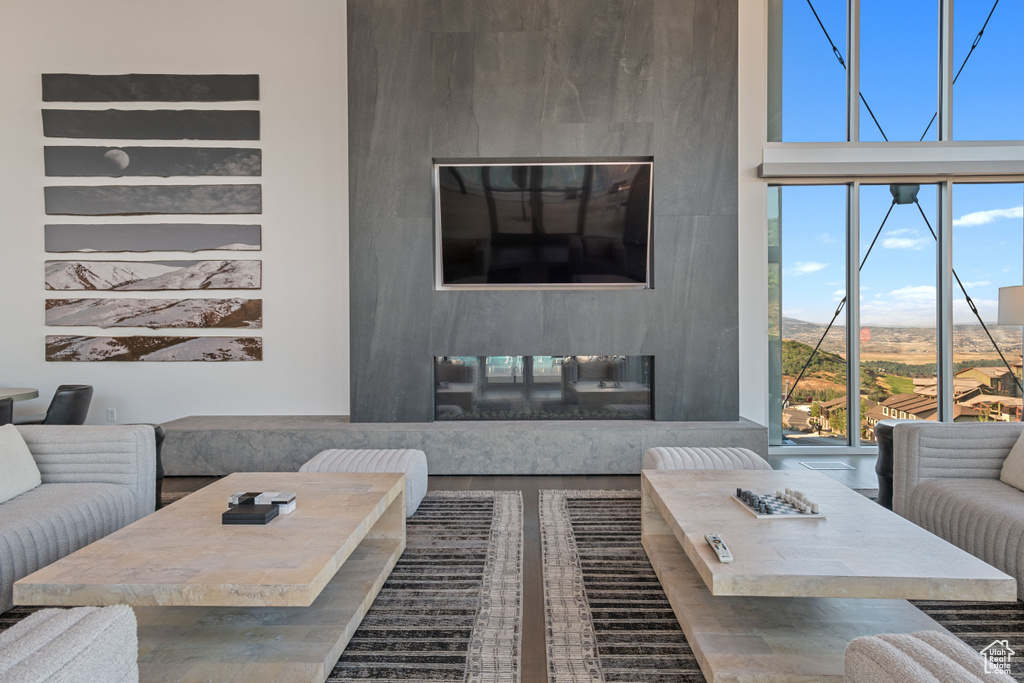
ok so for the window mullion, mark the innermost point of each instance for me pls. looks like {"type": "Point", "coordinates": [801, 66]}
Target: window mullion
{"type": "Point", "coordinates": [944, 301]}
{"type": "Point", "coordinates": [853, 70]}
{"type": "Point", "coordinates": [853, 313]}
{"type": "Point", "coordinates": [945, 105]}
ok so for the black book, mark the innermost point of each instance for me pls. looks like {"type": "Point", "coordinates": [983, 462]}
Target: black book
{"type": "Point", "coordinates": [249, 514]}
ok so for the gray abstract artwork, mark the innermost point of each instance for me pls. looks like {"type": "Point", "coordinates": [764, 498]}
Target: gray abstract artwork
{"type": "Point", "coordinates": [151, 161]}
{"type": "Point", "coordinates": [150, 87]}
{"type": "Point", "coordinates": [128, 200]}
{"type": "Point", "coordinates": [87, 237]}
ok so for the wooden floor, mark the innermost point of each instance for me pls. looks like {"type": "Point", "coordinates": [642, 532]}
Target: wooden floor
{"type": "Point", "coordinates": [534, 649]}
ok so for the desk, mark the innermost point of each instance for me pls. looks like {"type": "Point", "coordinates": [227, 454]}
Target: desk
{"type": "Point", "coordinates": [19, 393]}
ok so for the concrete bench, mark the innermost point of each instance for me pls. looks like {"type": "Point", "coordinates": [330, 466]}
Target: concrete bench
{"type": "Point", "coordinates": [410, 462]}
{"type": "Point", "coordinates": [702, 458]}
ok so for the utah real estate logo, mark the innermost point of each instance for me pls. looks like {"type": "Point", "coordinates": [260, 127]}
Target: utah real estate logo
{"type": "Point", "coordinates": [997, 657]}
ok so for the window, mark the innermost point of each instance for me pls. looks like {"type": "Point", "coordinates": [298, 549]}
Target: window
{"type": "Point", "coordinates": [924, 230]}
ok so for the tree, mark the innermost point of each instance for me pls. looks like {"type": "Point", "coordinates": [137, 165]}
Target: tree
{"type": "Point", "coordinates": [837, 421]}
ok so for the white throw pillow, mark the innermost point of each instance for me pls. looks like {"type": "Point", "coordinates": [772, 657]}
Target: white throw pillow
{"type": "Point", "coordinates": [19, 470]}
{"type": "Point", "coordinates": [1013, 467]}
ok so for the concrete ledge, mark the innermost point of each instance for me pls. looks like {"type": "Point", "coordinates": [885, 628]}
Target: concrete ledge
{"type": "Point", "coordinates": [221, 444]}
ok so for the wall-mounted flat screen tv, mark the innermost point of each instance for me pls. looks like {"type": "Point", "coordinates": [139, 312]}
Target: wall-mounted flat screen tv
{"type": "Point", "coordinates": [565, 224]}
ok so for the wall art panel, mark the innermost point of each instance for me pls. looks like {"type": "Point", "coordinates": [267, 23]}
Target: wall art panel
{"type": "Point", "coordinates": [152, 348]}
{"type": "Point", "coordinates": [151, 161]}
{"type": "Point", "coordinates": [151, 124]}
{"type": "Point", "coordinates": [155, 313]}
{"type": "Point", "coordinates": [88, 237]}
{"type": "Point", "coordinates": [150, 88]}
{"type": "Point", "coordinates": [134, 200]}
{"type": "Point", "coordinates": [152, 275]}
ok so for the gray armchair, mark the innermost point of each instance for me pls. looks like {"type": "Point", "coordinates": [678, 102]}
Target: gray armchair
{"type": "Point", "coordinates": [946, 480]}
{"type": "Point", "coordinates": [95, 481]}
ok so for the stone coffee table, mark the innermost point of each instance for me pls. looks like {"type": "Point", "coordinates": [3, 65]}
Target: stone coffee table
{"type": "Point", "coordinates": [237, 602]}
{"type": "Point", "coordinates": [798, 590]}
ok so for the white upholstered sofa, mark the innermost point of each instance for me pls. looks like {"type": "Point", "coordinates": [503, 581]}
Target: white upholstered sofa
{"type": "Point", "coordinates": [946, 480]}
{"type": "Point", "coordinates": [95, 480]}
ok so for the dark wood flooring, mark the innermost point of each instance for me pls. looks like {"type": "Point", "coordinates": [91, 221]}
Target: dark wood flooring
{"type": "Point", "coordinates": [534, 649]}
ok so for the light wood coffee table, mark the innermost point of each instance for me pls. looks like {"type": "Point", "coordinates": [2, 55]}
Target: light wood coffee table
{"type": "Point", "coordinates": [798, 590]}
{"type": "Point", "coordinates": [236, 602]}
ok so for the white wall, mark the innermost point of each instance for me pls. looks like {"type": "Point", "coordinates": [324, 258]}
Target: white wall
{"type": "Point", "coordinates": [298, 50]}
{"type": "Point", "coordinates": [753, 236]}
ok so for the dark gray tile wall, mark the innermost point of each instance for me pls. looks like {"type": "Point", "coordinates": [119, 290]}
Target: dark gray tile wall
{"type": "Point", "coordinates": [473, 79]}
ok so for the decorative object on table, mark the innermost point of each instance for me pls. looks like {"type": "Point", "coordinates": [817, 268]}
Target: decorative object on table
{"type": "Point", "coordinates": [249, 514]}
{"type": "Point", "coordinates": [69, 406]}
{"type": "Point", "coordinates": [788, 504]}
{"type": "Point", "coordinates": [158, 197]}
{"type": "Point", "coordinates": [146, 348]}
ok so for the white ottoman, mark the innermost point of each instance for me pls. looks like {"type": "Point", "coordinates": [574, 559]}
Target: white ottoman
{"type": "Point", "coordinates": [921, 656]}
{"type": "Point", "coordinates": [703, 458]}
{"type": "Point", "coordinates": [68, 645]}
{"type": "Point", "coordinates": [410, 462]}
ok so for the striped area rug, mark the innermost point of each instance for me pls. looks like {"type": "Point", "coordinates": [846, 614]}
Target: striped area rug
{"type": "Point", "coordinates": [452, 608]}
{"type": "Point", "coordinates": [608, 619]}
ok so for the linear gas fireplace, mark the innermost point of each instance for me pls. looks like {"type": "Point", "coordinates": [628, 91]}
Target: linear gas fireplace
{"type": "Point", "coordinates": [543, 387]}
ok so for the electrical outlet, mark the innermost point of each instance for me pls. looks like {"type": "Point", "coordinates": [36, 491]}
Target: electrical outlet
{"type": "Point", "coordinates": [111, 414]}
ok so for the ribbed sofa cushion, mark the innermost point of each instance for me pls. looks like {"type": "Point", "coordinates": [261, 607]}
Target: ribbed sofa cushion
{"type": "Point", "coordinates": [42, 525]}
{"type": "Point", "coordinates": [703, 458]}
{"type": "Point", "coordinates": [985, 517]}
{"type": "Point", "coordinates": [82, 644]}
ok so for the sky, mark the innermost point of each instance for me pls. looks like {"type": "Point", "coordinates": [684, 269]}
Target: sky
{"type": "Point", "coordinates": [898, 79]}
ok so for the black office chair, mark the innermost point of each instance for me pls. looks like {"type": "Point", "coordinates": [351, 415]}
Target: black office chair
{"type": "Point", "coordinates": [69, 406]}
{"type": "Point", "coordinates": [6, 410]}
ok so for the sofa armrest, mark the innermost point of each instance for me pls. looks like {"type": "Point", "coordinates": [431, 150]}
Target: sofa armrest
{"type": "Point", "coordinates": [123, 455]}
{"type": "Point", "coordinates": [965, 450]}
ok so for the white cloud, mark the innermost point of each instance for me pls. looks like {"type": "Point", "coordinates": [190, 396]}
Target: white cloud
{"type": "Point", "coordinates": [901, 231]}
{"type": "Point", "coordinates": [914, 293]}
{"type": "Point", "coordinates": [806, 267]}
{"type": "Point", "coordinates": [962, 315]}
{"type": "Point", "coordinates": [905, 242]}
{"type": "Point", "coordinates": [979, 283]}
{"type": "Point", "coordinates": [826, 238]}
{"type": "Point", "coordinates": [983, 217]}
{"type": "Point", "coordinates": [838, 294]}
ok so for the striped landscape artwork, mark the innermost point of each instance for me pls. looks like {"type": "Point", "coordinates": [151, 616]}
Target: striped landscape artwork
{"type": "Point", "coordinates": [152, 275]}
{"type": "Point", "coordinates": [155, 313]}
{"type": "Point", "coordinates": [166, 145]}
{"type": "Point", "coordinates": [141, 237]}
{"type": "Point", "coordinates": [153, 348]}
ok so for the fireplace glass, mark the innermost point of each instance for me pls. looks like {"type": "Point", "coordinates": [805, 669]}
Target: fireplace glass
{"type": "Point", "coordinates": [543, 387]}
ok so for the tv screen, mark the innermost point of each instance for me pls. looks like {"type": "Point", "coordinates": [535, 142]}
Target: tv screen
{"type": "Point", "coordinates": [543, 224]}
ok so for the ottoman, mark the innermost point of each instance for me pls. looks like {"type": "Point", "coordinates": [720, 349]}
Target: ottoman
{"type": "Point", "coordinates": [703, 458]}
{"type": "Point", "coordinates": [410, 462]}
{"type": "Point", "coordinates": [921, 656]}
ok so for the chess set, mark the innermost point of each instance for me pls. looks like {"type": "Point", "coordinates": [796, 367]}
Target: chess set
{"type": "Point", "coordinates": [787, 504]}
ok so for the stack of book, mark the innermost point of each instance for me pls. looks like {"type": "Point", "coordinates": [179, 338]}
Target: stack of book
{"type": "Point", "coordinates": [257, 507]}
